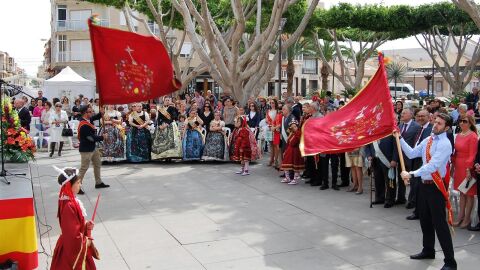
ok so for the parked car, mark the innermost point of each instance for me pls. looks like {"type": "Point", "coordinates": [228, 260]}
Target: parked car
{"type": "Point", "coordinates": [403, 89]}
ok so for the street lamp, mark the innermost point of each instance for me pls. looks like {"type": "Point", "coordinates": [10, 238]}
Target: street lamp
{"type": "Point", "coordinates": [280, 29]}
{"type": "Point", "coordinates": [433, 73]}
{"type": "Point", "coordinates": [171, 40]}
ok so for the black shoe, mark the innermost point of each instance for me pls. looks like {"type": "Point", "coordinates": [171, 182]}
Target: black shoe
{"type": "Point", "coordinates": [412, 217]}
{"type": "Point", "coordinates": [51, 154]}
{"type": "Point", "coordinates": [474, 228]}
{"type": "Point", "coordinates": [388, 205]}
{"type": "Point", "coordinates": [378, 202]}
{"type": "Point", "coordinates": [410, 205]}
{"type": "Point", "coordinates": [446, 267]}
{"type": "Point", "coordinates": [59, 154]}
{"type": "Point", "coordinates": [102, 185]}
{"type": "Point", "coordinates": [399, 202]}
{"type": "Point", "coordinates": [423, 256]}
{"type": "Point", "coordinates": [323, 187]}
{"type": "Point", "coordinates": [313, 184]}
{"type": "Point", "coordinates": [308, 181]}
{"type": "Point", "coordinates": [81, 192]}
{"type": "Point", "coordinates": [335, 188]}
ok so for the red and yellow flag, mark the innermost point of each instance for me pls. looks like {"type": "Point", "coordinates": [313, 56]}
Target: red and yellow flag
{"type": "Point", "coordinates": [130, 67]}
{"type": "Point", "coordinates": [369, 116]}
{"type": "Point", "coordinates": [18, 238]}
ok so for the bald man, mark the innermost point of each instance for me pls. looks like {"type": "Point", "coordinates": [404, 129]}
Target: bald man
{"type": "Point", "coordinates": [23, 113]}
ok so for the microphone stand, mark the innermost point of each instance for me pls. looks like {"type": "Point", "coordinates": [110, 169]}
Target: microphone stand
{"type": "Point", "coordinates": [4, 173]}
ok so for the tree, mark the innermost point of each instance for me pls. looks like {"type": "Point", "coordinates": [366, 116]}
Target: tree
{"type": "Point", "coordinates": [452, 37]}
{"type": "Point", "coordinates": [299, 48]}
{"type": "Point", "coordinates": [396, 72]}
{"type": "Point", "coordinates": [238, 59]}
{"type": "Point", "coordinates": [328, 51]}
{"type": "Point", "coordinates": [471, 8]}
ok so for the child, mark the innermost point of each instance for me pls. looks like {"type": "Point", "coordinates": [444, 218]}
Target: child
{"type": "Point", "coordinates": [262, 135]}
{"type": "Point", "coordinates": [74, 248]}
{"type": "Point", "coordinates": [181, 124]}
{"type": "Point", "coordinates": [242, 150]}
{"type": "Point", "coordinates": [292, 159]}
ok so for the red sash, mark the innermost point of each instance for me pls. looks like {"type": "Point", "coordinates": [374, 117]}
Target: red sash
{"type": "Point", "coordinates": [437, 179]}
{"type": "Point", "coordinates": [83, 123]}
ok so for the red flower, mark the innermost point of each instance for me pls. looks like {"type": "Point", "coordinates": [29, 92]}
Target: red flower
{"type": "Point", "coordinates": [11, 141]}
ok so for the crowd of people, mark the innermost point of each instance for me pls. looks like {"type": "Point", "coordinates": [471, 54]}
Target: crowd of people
{"type": "Point", "coordinates": [218, 128]}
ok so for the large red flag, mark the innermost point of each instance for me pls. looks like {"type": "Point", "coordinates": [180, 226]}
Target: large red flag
{"type": "Point", "coordinates": [367, 117]}
{"type": "Point", "coordinates": [130, 67]}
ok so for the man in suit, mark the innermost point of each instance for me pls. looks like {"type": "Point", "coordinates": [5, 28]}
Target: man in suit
{"type": "Point", "coordinates": [408, 130]}
{"type": "Point", "coordinates": [384, 155]}
{"type": "Point", "coordinates": [425, 130]}
{"type": "Point", "coordinates": [23, 113]}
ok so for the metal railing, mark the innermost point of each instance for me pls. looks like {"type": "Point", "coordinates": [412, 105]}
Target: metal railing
{"type": "Point", "coordinates": [76, 25]}
{"type": "Point", "coordinates": [74, 56]}
{"type": "Point", "coordinates": [309, 70]}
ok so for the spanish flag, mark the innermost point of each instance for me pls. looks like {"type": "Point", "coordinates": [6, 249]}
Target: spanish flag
{"type": "Point", "coordinates": [18, 238]}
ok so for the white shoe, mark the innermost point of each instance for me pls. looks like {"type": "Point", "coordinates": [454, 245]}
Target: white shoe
{"type": "Point", "coordinates": [285, 180]}
{"type": "Point", "coordinates": [245, 173]}
{"type": "Point", "coordinates": [293, 182]}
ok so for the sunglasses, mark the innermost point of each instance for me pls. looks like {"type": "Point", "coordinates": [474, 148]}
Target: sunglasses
{"type": "Point", "coordinates": [58, 106]}
{"type": "Point", "coordinates": [465, 121]}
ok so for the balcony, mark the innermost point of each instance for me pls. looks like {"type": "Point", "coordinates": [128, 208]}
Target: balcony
{"type": "Point", "coordinates": [309, 70]}
{"type": "Point", "coordinates": [74, 56]}
{"type": "Point", "coordinates": [76, 25]}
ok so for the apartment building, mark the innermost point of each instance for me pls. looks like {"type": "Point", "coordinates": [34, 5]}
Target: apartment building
{"type": "Point", "coordinates": [69, 44]}
{"type": "Point", "coordinates": [8, 66]}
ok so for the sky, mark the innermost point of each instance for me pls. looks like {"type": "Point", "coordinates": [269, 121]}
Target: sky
{"type": "Point", "coordinates": [24, 23]}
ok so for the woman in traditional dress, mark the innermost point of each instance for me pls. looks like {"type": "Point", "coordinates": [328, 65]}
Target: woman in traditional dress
{"type": "Point", "coordinates": [193, 139]}
{"type": "Point", "coordinates": [274, 122]}
{"type": "Point", "coordinates": [74, 249]}
{"type": "Point", "coordinates": [167, 142]}
{"type": "Point", "coordinates": [241, 146]}
{"type": "Point", "coordinates": [215, 143]}
{"type": "Point", "coordinates": [138, 138]}
{"type": "Point", "coordinates": [292, 158]}
{"type": "Point", "coordinates": [114, 143]}
{"type": "Point", "coordinates": [58, 120]}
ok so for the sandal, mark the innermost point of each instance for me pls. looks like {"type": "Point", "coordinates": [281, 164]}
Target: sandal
{"type": "Point", "coordinates": [352, 189]}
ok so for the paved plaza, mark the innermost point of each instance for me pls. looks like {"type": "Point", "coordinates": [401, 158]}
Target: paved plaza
{"type": "Point", "coordinates": [194, 216]}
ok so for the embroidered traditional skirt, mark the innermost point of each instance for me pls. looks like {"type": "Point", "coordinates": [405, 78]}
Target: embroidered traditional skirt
{"type": "Point", "coordinates": [113, 147]}
{"type": "Point", "coordinates": [138, 145]}
{"type": "Point", "coordinates": [214, 146]}
{"type": "Point", "coordinates": [192, 145]}
{"type": "Point", "coordinates": [167, 143]}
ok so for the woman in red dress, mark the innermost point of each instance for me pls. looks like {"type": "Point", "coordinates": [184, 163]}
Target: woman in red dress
{"type": "Point", "coordinates": [242, 150]}
{"type": "Point", "coordinates": [292, 158]}
{"type": "Point", "coordinates": [74, 249]}
{"type": "Point", "coordinates": [465, 150]}
{"type": "Point", "coordinates": [274, 122]}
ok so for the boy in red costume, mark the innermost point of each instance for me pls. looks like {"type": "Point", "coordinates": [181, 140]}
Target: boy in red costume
{"type": "Point", "coordinates": [74, 249]}
{"type": "Point", "coordinates": [242, 150]}
{"type": "Point", "coordinates": [292, 158]}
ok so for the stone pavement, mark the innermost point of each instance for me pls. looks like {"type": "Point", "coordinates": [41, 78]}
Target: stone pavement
{"type": "Point", "coordinates": [193, 216]}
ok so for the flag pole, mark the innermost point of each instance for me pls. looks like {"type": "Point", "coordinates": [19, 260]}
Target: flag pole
{"type": "Point", "coordinates": [400, 155]}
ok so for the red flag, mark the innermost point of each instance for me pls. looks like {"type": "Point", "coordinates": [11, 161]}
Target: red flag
{"type": "Point", "coordinates": [366, 118]}
{"type": "Point", "coordinates": [130, 67]}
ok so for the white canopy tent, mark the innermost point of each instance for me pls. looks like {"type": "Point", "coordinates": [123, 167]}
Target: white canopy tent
{"type": "Point", "coordinates": [68, 83]}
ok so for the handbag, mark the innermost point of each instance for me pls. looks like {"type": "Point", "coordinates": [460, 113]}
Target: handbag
{"type": "Point", "coordinates": [67, 131]}
{"type": "Point", "coordinates": [467, 183]}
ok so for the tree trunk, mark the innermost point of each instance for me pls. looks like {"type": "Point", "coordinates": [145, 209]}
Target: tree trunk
{"type": "Point", "coordinates": [290, 74]}
{"type": "Point", "coordinates": [324, 74]}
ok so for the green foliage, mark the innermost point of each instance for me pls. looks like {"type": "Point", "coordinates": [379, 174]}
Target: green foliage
{"type": "Point", "coordinates": [349, 92]}
{"type": "Point", "coordinates": [455, 99]}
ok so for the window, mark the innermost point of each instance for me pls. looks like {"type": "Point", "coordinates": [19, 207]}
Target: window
{"type": "Point", "coordinates": [81, 50]}
{"type": "Point", "coordinates": [78, 19]}
{"type": "Point", "coordinates": [309, 66]}
{"type": "Point", "coordinates": [284, 73]}
{"type": "Point", "coordinates": [186, 49]}
{"type": "Point", "coordinates": [61, 15]}
{"type": "Point", "coordinates": [439, 86]}
{"type": "Point", "coordinates": [313, 85]}
{"type": "Point", "coordinates": [62, 48]}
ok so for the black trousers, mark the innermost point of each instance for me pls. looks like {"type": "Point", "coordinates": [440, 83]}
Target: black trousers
{"type": "Point", "coordinates": [344, 170]}
{"type": "Point", "coordinates": [432, 212]}
{"type": "Point", "coordinates": [380, 172]}
{"type": "Point", "coordinates": [315, 171]}
{"type": "Point", "coordinates": [324, 170]}
{"type": "Point", "coordinates": [396, 191]}
{"type": "Point", "coordinates": [415, 183]}
{"type": "Point", "coordinates": [334, 163]}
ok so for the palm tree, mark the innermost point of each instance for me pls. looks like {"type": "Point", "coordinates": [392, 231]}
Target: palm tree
{"type": "Point", "coordinates": [328, 49]}
{"type": "Point", "coordinates": [396, 72]}
{"type": "Point", "coordinates": [303, 46]}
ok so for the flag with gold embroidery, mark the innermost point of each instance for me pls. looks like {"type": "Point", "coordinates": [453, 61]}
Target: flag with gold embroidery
{"type": "Point", "coordinates": [130, 67]}
{"type": "Point", "coordinates": [369, 116]}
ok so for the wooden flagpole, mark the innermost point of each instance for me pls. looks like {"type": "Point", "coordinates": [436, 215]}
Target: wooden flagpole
{"type": "Point", "coordinates": [400, 155]}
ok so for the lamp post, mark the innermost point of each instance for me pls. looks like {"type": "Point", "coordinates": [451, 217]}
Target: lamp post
{"type": "Point", "coordinates": [280, 29]}
{"type": "Point", "coordinates": [171, 40]}
{"type": "Point", "coordinates": [333, 75]}
{"type": "Point", "coordinates": [433, 73]}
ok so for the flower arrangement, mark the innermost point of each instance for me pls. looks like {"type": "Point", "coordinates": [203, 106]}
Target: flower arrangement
{"type": "Point", "coordinates": [18, 146]}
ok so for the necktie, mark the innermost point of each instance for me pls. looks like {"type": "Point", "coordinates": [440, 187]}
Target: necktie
{"type": "Point", "coordinates": [419, 135]}
{"type": "Point", "coordinates": [404, 128]}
